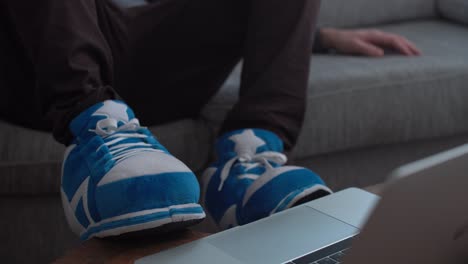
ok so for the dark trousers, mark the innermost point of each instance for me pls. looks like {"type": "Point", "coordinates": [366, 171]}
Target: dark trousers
{"type": "Point", "coordinates": [165, 59]}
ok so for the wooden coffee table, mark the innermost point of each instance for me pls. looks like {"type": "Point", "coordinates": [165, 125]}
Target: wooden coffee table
{"type": "Point", "coordinates": [127, 251]}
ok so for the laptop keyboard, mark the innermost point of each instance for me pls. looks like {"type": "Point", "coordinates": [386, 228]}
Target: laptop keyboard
{"type": "Point", "coordinates": [332, 254]}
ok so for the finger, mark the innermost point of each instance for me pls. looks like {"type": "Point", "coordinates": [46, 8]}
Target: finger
{"type": "Point", "coordinates": [413, 47]}
{"type": "Point", "coordinates": [368, 49]}
{"type": "Point", "coordinates": [409, 45]}
{"type": "Point", "coordinates": [391, 41]}
{"type": "Point", "coordinates": [402, 47]}
{"type": "Point", "coordinates": [416, 51]}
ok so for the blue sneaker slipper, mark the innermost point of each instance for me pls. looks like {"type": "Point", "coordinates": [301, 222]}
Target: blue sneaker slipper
{"type": "Point", "coordinates": [118, 179]}
{"type": "Point", "coordinates": [249, 180]}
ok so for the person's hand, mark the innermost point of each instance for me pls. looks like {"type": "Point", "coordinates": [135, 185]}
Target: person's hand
{"type": "Point", "coordinates": [368, 42]}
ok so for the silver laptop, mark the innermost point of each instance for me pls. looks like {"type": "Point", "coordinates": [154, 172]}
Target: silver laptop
{"type": "Point", "coordinates": [422, 217]}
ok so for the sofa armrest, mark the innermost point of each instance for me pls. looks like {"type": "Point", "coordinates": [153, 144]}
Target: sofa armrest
{"type": "Point", "coordinates": [455, 10]}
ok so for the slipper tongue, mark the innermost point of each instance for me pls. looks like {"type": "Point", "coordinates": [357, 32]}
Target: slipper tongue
{"type": "Point", "coordinates": [113, 110]}
{"type": "Point", "coordinates": [247, 142]}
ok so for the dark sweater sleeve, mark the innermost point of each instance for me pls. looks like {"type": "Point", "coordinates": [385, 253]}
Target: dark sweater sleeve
{"type": "Point", "coordinates": [318, 47]}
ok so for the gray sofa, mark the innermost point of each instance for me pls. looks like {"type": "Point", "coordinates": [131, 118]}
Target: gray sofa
{"type": "Point", "coordinates": [364, 117]}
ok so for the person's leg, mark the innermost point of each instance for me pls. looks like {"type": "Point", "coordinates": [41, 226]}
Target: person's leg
{"type": "Point", "coordinates": [66, 56]}
{"type": "Point", "coordinates": [250, 179]}
{"type": "Point", "coordinates": [16, 81]}
{"type": "Point", "coordinates": [116, 177]}
{"type": "Point", "coordinates": [182, 52]}
{"type": "Point", "coordinates": [276, 68]}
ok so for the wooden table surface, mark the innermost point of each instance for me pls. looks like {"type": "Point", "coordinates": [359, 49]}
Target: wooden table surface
{"type": "Point", "coordinates": [127, 251]}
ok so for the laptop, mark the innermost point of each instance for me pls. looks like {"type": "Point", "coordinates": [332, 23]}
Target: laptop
{"type": "Point", "coordinates": [422, 217]}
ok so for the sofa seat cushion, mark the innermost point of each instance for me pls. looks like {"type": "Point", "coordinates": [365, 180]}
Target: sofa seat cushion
{"type": "Point", "coordinates": [356, 102]}
{"type": "Point", "coordinates": [456, 10]}
{"type": "Point", "coordinates": [30, 161]}
{"type": "Point", "coordinates": [356, 13]}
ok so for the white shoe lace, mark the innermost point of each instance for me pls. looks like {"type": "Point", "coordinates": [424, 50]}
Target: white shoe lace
{"type": "Point", "coordinates": [251, 161]}
{"type": "Point", "coordinates": [112, 134]}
